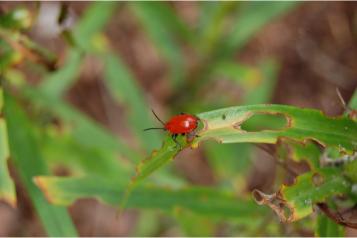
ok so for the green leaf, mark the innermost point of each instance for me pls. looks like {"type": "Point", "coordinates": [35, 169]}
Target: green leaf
{"type": "Point", "coordinates": [353, 101]}
{"type": "Point", "coordinates": [17, 19]}
{"type": "Point", "coordinates": [247, 77]}
{"type": "Point", "coordinates": [85, 131]}
{"type": "Point", "coordinates": [92, 22]}
{"type": "Point", "coordinates": [213, 24]}
{"type": "Point", "coordinates": [263, 92]}
{"type": "Point", "coordinates": [8, 57]}
{"type": "Point", "coordinates": [158, 158]}
{"type": "Point", "coordinates": [253, 16]}
{"type": "Point", "coordinates": [223, 125]}
{"type": "Point", "coordinates": [60, 148]}
{"type": "Point", "coordinates": [7, 187]}
{"type": "Point", "coordinates": [229, 161]}
{"type": "Point", "coordinates": [293, 202]}
{"type": "Point", "coordinates": [89, 135]}
{"type": "Point", "coordinates": [309, 152]}
{"type": "Point", "coordinates": [60, 81]}
{"type": "Point", "coordinates": [189, 222]}
{"type": "Point", "coordinates": [28, 162]}
{"type": "Point", "coordinates": [350, 170]}
{"type": "Point", "coordinates": [147, 224]}
{"type": "Point", "coordinates": [205, 201]}
{"type": "Point", "coordinates": [258, 82]}
{"type": "Point", "coordinates": [126, 90]}
{"type": "Point", "coordinates": [147, 166]}
{"type": "Point", "coordinates": [325, 227]}
{"type": "Point", "coordinates": [158, 20]}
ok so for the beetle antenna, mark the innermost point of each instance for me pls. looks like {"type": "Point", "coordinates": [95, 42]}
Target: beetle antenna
{"type": "Point", "coordinates": [157, 117]}
{"type": "Point", "coordinates": [154, 128]}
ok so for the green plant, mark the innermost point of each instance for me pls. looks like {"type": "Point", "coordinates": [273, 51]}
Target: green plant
{"type": "Point", "coordinates": [102, 164]}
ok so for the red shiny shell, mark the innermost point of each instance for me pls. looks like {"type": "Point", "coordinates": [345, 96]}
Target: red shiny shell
{"type": "Point", "coordinates": [182, 124]}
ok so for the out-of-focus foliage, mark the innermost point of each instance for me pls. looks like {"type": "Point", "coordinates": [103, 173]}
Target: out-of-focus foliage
{"type": "Point", "coordinates": [327, 228]}
{"type": "Point", "coordinates": [204, 201]}
{"type": "Point", "coordinates": [29, 163]}
{"type": "Point", "coordinates": [44, 131]}
{"type": "Point", "coordinates": [7, 187]}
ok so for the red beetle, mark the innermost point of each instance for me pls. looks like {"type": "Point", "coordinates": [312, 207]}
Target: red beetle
{"type": "Point", "coordinates": [184, 124]}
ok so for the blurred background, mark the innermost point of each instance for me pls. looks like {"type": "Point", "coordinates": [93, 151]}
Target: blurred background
{"type": "Point", "coordinates": [111, 63]}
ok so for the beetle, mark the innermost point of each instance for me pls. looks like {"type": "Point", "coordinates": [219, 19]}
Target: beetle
{"type": "Point", "coordinates": [184, 124]}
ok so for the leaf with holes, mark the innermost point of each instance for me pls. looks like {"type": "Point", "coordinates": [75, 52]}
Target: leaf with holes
{"type": "Point", "coordinates": [309, 152]}
{"type": "Point", "coordinates": [225, 125]}
{"type": "Point", "coordinates": [280, 121]}
{"type": "Point", "coordinates": [293, 202]}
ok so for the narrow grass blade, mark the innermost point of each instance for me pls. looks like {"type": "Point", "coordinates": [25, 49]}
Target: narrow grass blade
{"type": "Point", "coordinates": [55, 84]}
{"type": "Point", "coordinates": [264, 90]}
{"type": "Point", "coordinates": [213, 25]}
{"type": "Point", "coordinates": [85, 131]}
{"type": "Point", "coordinates": [353, 101]}
{"type": "Point", "coordinates": [59, 148]}
{"type": "Point", "coordinates": [157, 20]}
{"type": "Point", "coordinates": [92, 22]}
{"type": "Point", "coordinates": [252, 17]}
{"type": "Point", "coordinates": [189, 222]}
{"type": "Point", "coordinates": [205, 201]}
{"type": "Point", "coordinates": [247, 77]}
{"type": "Point", "coordinates": [325, 227]}
{"type": "Point", "coordinates": [122, 85]}
{"type": "Point", "coordinates": [7, 187]}
{"type": "Point", "coordinates": [28, 162]}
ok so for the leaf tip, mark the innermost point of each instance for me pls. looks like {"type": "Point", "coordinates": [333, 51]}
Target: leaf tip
{"type": "Point", "coordinates": [42, 184]}
{"type": "Point", "coordinates": [10, 198]}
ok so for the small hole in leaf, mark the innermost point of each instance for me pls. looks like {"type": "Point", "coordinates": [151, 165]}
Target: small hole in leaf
{"type": "Point", "coordinates": [258, 196]}
{"type": "Point", "coordinates": [286, 212]}
{"type": "Point", "coordinates": [317, 179]}
{"type": "Point", "coordinates": [261, 122]}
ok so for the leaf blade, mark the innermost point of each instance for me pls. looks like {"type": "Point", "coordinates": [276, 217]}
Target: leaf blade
{"type": "Point", "coordinates": [151, 16]}
{"type": "Point", "coordinates": [302, 125]}
{"type": "Point", "coordinates": [27, 159]}
{"type": "Point", "coordinates": [253, 16]}
{"type": "Point", "coordinates": [200, 200]}
{"type": "Point", "coordinates": [93, 21]}
{"type": "Point", "coordinates": [123, 86]}
{"type": "Point", "coordinates": [327, 228]}
{"type": "Point", "coordinates": [7, 186]}
{"type": "Point", "coordinates": [309, 188]}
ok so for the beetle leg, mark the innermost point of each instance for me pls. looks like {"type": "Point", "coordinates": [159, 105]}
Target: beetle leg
{"type": "Point", "coordinates": [191, 136]}
{"type": "Point", "coordinates": [174, 139]}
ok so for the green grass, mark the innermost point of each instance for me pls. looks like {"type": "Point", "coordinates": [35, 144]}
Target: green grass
{"type": "Point", "coordinates": [119, 169]}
